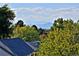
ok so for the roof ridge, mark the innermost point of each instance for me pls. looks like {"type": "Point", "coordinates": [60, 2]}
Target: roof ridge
{"type": "Point", "coordinates": [10, 38]}
{"type": "Point", "coordinates": [6, 48]}
{"type": "Point", "coordinates": [31, 46]}
{"type": "Point", "coordinates": [7, 51]}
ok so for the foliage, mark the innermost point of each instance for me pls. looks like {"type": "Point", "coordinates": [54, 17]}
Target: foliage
{"type": "Point", "coordinates": [20, 23]}
{"type": "Point", "coordinates": [6, 16]}
{"type": "Point", "coordinates": [27, 33]}
{"type": "Point", "coordinates": [58, 23]}
{"type": "Point", "coordinates": [34, 26]}
{"type": "Point", "coordinates": [61, 42]}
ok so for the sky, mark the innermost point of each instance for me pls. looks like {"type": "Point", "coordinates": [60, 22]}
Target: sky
{"type": "Point", "coordinates": [43, 14]}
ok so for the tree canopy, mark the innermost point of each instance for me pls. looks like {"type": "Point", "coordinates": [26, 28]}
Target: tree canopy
{"type": "Point", "coordinates": [61, 42]}
{"type": "Point", "coordinates": [6, 16]}
{"type": "Point", "coordinates": [27, 33]}
{"type": "Point", "coordinates": [20, 23]}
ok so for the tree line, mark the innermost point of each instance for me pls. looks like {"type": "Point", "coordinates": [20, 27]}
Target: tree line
{"type": "Point", "coordinates": [18, 30]}
{"type": "Point", "coordinates": [62, 39]}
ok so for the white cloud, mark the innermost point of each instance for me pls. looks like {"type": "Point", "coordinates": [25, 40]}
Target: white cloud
{"type": "Point", "coordinates": [44, 15]}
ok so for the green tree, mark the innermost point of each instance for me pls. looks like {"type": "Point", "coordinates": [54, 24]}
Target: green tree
{"type": "Point", "coordinates": [34, 26]}
{"type": "Point", "coordinates": [6, 16]}
{"type": "Point", "coordinates": [61, 42]}
{"type": "Point", "coordinates": [20, 23]}
{"type": "Point", "coordinates": [26, 33]}
{"type": "Point", "coordinates": [58, 23]}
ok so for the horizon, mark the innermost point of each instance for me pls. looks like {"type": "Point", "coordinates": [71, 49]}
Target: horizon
{"type": "Point", "coordinates": [43, 14]}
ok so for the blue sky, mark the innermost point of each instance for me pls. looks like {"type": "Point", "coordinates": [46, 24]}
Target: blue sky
{"type": "Point", "coordinates": [43, 14]}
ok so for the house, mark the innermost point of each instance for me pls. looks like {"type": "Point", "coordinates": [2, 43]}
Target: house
{"type": "Point", "coordinates": [15, 47]}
